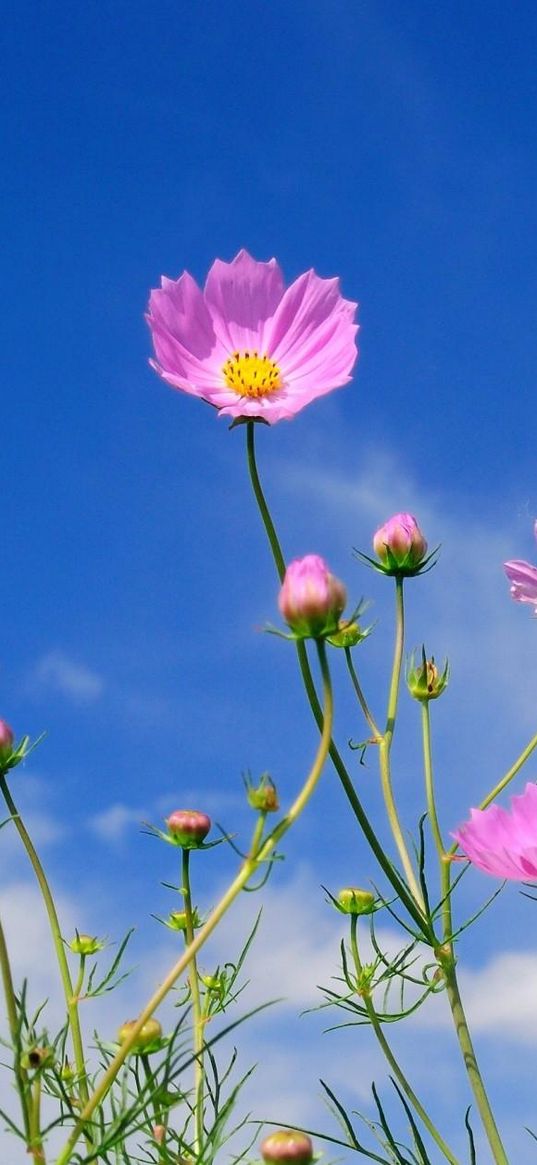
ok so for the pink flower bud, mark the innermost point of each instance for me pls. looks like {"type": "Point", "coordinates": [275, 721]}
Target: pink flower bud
{"type": "Point", "coordinates": [287, 1147]}
{"type": "Point", "coordinates": [311, 599]}
{"type": "Point", "coordinates": [159, 1134]}
{"type": "Point", "coordinates": [188, 827]}
{"type": "Point", "coordinates": [7, 740]}
{"type": "Point", "coordinates": [400, 544]}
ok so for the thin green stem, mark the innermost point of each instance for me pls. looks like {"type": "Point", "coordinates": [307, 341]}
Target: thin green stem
{"type": "Point", "coordinates": [443, 860]}
{"type": "Point", "coordinates": [386, 744]}
{"type": "Point", "coordinates": [261, 501]}
{"type": "Point", "coordinates": [307, 678]}
{"type": "Point", "coordinates": [393, 1063]}
{"type": "Point", "coordinates": [512, 772]}
{"type": "Point", "coordinates": [197, 1014]}
{"type": "Point", "coordinates": [248, 868]}
{"type": "Point", "coordinates": [21, 1076]}
{"type": "Point", "coordinates": [36, 1141]}
{"type": "Point", "coordinates": [70, 999]}
{"type": "Point", "coordinates": [446, 957]}
{"type": "Point", "coordinates": [377, 735]}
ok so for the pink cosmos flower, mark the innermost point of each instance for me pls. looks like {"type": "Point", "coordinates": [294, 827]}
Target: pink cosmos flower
{"type": "Point", "coordinates": [311, 599]}
{"type": "Point", "coordinates": [400, 542]}
{"type": "Point", "coordinates": [247, 344]}
{"type": "Point", "coordinates": [503, 843]}
{"type": "Point", "coordinates": [523, 578]}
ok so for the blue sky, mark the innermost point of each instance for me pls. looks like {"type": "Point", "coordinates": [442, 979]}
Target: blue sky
{"type": "Point", "coordinates": [392, 145]}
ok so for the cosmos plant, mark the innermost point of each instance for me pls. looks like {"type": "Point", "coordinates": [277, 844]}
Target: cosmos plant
{"type": "Point", "coordinates": [162, 1086]}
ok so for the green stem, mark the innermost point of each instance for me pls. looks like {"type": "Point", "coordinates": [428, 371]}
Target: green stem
{"type": "Point", "coordinates": [447, 959]}
{"type": "Point", "coordinates": [70, 999]}
{"type": "Point", "coordinates": [472, 1068]}
{"type": "Point", "coordinates": [397, 1071]}
{"type": "Point", "coordinates": [36, 1141]}
{"type": "Point", "coordinates": [307, 678]}
{"type": "Point", "coordinates": [21, 1076]}
{"type": "Point", "coordinates": [261, 501]}
{"type": "Point", "coordinates": [377, 735]}
{"type": "Point", "coordinates": [512, 772]}
{"type": "Point", "coordinates": [386, 744]}
{"type": "Point", "coordinates": [197, 1015]}
{"type": "Point", "coordinates": [248, 868]}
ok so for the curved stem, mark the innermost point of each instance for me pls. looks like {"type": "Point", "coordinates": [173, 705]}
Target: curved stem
{"type": "Point", "coordinates": [197, 1015]}
{"type": "Point", "coordinates": [337, 760]}
{"type": "Point", "coordinates": [360, 695]}
{"type": "Point", "coordinates": [248, 868]}
{"type": "Point", "coordinates": [70, 999]}
{"type": "Point", "coordinates": [261, 501]}
{"type": "Point", "coordinates": [386, 744]}
{"type": "Point", "coordinates": [21, 1076]}
{"type": "Point", "coordinates": [383, 1043]}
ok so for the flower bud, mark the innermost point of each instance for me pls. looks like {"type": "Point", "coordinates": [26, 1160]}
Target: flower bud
{"type": "Point", "coordinates": [348, 634]}
{"type": "Point", "coordinates": [7, 741]}
{"type": "Point", "coordinates": [351, 900]}
{"type": "Point", "coordinates": [311, 599]}
{"type": "Point", "coordinates": [424, 681]}
{"type": "Point", "coordinates": [188, 827]}
{"type": "Point", "coordinates": [150, 1034]}
{"type": "Point", "coordinates": [400, 545]}
{"type": "Point", "coordinates": [37, 1058]}
{"type": "Point", "coordinates": [85, 944]}
{"type": "Point", "coordinates": [159, 1133]}
{"type": "Point", "coordinates": [287, 1147]}
{"type": "Point", "coordinates": [178, 920]}
{"type": "Point", "coordinates": [264, 798]}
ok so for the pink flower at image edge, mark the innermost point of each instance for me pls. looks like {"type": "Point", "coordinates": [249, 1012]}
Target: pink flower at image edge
{"type": "Point", "coordinates": [503, 842]}
{"type": "Point", "coordinates": [247, 344]}
{"type": "Point", "coordinates": [523, 578]}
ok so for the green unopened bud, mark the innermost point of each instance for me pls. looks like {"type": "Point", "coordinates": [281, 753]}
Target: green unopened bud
{"type": "Point", "coordinates": [148, 1039]}
{"type": "Point", "coordinates": [351, 900]}
{"type": "Point", "coordinates": [264, 797]}
{"type": "Point", "coordinates": [348, 634]}
{"type": "Point", "coordinates": [178, 920]}
{"type": "Point", "coordinates": [67, 1072]}
{"type": "Point", "coordinates": [424, 681]}
{"type": "Point", "coordinates": [287, 1147]}
{"type": "Point", "coordinates": [85, 944]}
{"type": "Point", "coordinates": [213, 983]}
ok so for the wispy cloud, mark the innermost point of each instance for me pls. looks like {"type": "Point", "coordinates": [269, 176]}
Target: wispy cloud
{"type": "Point", "coordinates": [57, 672]}
{"type": "Point", "coordinates": [116, 821]}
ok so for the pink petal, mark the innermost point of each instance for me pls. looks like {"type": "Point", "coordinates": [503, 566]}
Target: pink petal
{"type": "Point", "coordinates": [241, 296]}
{"type": "Point", "coordinates": [308, 314]}
{"type": "Point", "coordinates": [523, 578]}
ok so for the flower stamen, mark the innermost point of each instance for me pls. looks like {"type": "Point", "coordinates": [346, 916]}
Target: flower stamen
{"type": "Point", "coordinates": [250, 374]}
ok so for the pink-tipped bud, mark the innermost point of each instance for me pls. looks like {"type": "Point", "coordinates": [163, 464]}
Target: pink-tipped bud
{"type": "Point", "coordinates": [159, 1133]}
{"type": "Point", "coordinates": [7, 741]}
{"type": "Point", "coordinates": [400, 545]}
{"type": "Point", "coordinates": [287, 1147]}
{"type": "Point", "coordinates": [188, 827]}
{"type": "Point", "coordinates": [311, 599]}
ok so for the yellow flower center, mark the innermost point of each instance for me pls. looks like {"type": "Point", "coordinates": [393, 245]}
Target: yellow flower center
{"type": "Point", "coordinates": [250, 374]}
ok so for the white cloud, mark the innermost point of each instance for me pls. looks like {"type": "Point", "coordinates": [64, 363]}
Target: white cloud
{"type": "Point", "coordinates": [74, 680]}
{"type": "Point", "coordinates": [113, 823]}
